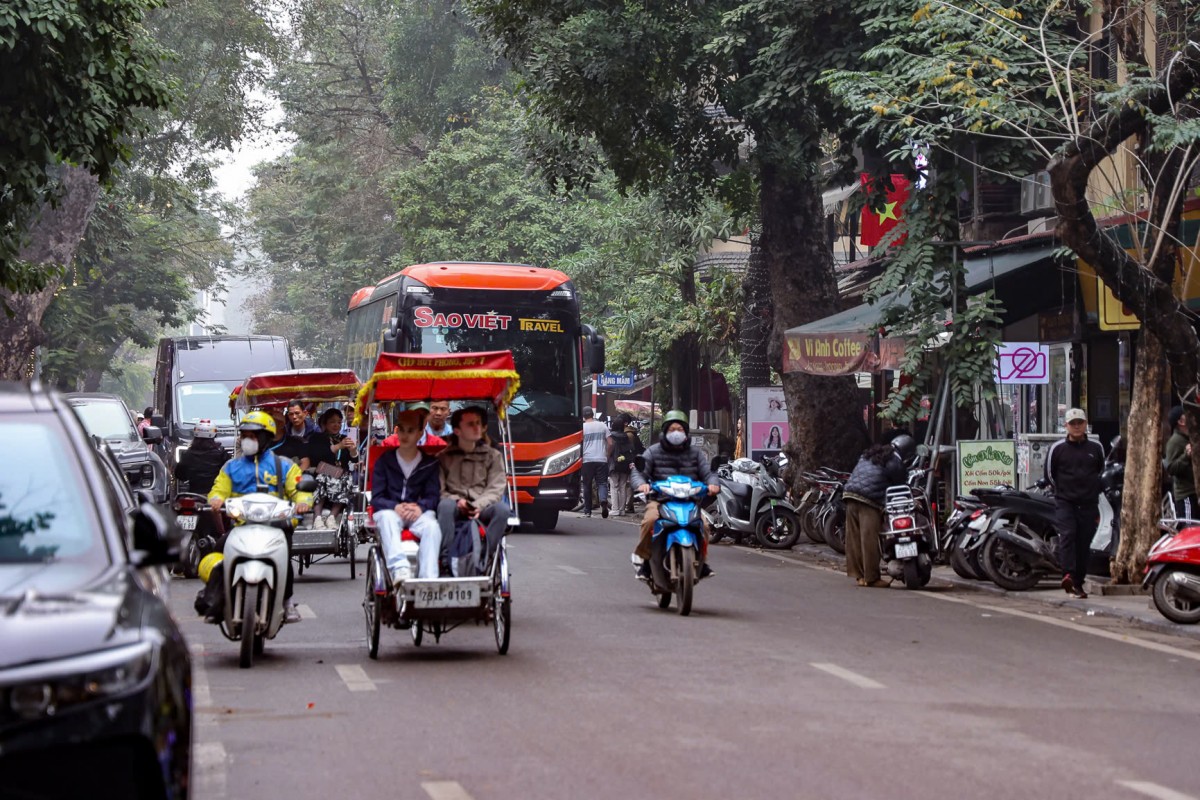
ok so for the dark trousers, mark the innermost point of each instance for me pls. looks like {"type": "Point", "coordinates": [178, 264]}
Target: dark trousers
{"type": "Point", "coordinates": [494, 519]}
{"type": "Point", "coordinates": [1185, 508]}
{"type": "Point", "coordinates": [594, 471]}
{"type": "Point", "coordinates": [1076, 526]}
{"type": "Point", "coordinates": [863, 523]}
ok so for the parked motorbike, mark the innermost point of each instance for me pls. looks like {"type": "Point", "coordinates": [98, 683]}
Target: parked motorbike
{"type": "Point", "coordinates": [753, 502]}
{"type": "Point", "coordinates": [1173, 571]}
{"type": "Point", "coordinates": [968, 521]}
{"type": "Point", "coordinates": [193, 515]}
{"type": "Point", "coordinates": [906, 539]}
{"type": "Point", "coordinates": [255, 570]}
{"type": "Point", "coordinates": [678, 532]}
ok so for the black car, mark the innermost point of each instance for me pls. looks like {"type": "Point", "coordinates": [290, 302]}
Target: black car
{"type": "Point", "coordinates": [106, 417]}
{"type": "Point", "coordinates": [95, 677]}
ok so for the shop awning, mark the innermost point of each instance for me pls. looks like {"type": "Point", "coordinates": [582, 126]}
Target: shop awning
{"type": "Point", "coordinates": [844, 343]}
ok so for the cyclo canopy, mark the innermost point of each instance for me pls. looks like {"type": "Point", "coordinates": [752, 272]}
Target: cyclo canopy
{"type": "Point", "coordinates": [277, 389]}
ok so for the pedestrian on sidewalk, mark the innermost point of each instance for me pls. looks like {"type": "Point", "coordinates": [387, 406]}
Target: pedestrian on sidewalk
{"type": "Point", "coordinates": [597, 445]}
{"type": "Point", "coordinates": [1179, 465]}
{"type": "Point", "coordinates": [878, 469]}
{"type": "Point", "coordinates": [625, 448]}
{"type": "Point", "coordinates": [1073, 468]}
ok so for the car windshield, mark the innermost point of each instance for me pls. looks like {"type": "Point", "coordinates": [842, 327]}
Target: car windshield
{"type": "Point", "coordinates": [204, 400]}
{"type": "Point", "coordinates": [44, 513]}
{"type": "Point", "coordinates": [105, 418]}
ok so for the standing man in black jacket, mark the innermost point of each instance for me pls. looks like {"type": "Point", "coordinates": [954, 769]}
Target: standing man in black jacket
{"type": "Point", "coordinates": [1073, 468]}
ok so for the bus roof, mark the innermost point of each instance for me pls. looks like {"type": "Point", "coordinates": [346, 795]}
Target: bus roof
{"type": "Point", "coordinates": [467, 275]}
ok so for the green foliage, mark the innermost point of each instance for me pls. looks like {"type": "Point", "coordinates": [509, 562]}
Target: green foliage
{"type": "Point", "coordinates": [74, 77]}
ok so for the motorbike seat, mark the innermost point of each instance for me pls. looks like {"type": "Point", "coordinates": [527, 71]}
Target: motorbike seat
{"type": "Point", "coordinates": [737, 488]}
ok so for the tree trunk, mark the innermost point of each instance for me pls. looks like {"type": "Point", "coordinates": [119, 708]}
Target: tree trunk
{"type": "Point", "coordinates": [53, 239]}
{"type": "Point", "coordinates": [824, 414]}
{"type": "Point", "coordinates": [1140, 504]}
{"type": "Point", "coordinates": [754, 333]}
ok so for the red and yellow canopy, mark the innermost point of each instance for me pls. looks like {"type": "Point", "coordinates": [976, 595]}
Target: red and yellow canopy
{"type": "Point", "coordinates": [277, 389]}
{"type": "Point", "coordinates": [411, 377]}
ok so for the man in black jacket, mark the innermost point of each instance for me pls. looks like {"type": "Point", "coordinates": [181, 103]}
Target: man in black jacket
{"type": "Point", "coordinates": [865, 494]}
{"type": "Point", "coordinates": [1073, 468]}
{"type": "Point", "coordinates": [672, 455]}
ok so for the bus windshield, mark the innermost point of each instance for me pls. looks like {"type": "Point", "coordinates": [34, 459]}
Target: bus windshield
{"type": "Point", "coordinates": [204, 400]}
{"type": "Point", "coordinates": [543, 348]}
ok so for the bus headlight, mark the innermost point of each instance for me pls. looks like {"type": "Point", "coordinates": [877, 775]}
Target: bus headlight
{"type": "Point", "coordinates": [562, 461]}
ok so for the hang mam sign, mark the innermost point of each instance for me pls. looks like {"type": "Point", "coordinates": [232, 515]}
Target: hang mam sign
{"type": "Point", "coordinates": [830, 353]}
{"type": "Point", "coordinates": [426, 317]}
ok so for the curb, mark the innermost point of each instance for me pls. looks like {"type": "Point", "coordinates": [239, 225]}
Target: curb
{"type": "Point", "coordinates": [1147, 619]}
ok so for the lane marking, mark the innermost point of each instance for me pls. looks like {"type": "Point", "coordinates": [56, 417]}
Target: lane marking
{"type": "Point", "coordinates": [861, 681]}
{"type": "Point", "coordinates": [1072, 626]}
{"type": "Point", "coordinates": [305, 611]}
{"type": "Point", "coordinates": [1154, 790]}
{"type": "Point", "coordinates": [209, 756]}
{"type": "Point", "coordinates": [355, 678]}
{"type": "Point", "coordinates": [571, 570]}
{"type": "Point", "coordinates": [445, 790]}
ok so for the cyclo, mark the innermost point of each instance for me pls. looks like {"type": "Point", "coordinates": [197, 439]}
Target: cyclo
{"type": "Point", "coordinates": [274, 390]}
{"type": "Point", "coordinates": [436, 605]}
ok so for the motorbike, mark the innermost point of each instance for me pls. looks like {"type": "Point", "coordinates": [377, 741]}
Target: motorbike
{"type": "Point", "coordinates": [678, 532]}
{"type": "Point", "coordinates": [193, 515]}
{"type": "Point", "coordinates": [1173, 571]}
{"type": "Point", "coordinates": [753, 502]}
{"type": "Point", "coordinates": [968, 520]}
{"type": "Point", "coordinates": [255, 569]}
{"type": "Point", "coordinates": [906, 539]}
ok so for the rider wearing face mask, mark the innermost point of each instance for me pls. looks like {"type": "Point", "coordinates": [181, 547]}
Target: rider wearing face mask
{"type": "Point", "coordinates": [672, 455]}
{"type": "Point", "coordinates": [258, 470]}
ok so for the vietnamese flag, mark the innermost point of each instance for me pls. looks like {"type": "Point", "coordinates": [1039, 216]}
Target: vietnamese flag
{"type": "Point", "coordinates": [876, 224]}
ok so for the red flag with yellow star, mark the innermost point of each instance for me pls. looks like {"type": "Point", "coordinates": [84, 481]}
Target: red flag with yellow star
{"type": "Point", "coordinates": [876, 224]}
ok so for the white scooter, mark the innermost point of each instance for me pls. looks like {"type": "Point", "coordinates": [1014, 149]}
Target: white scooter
{"type": "Point", "coordinates": [255, 570]}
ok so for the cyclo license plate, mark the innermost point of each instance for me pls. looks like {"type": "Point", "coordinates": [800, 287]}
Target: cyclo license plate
{"type": "Point", "coordinates": [186, 523]}
{"type": "Point", "coordinates": [447, 595]}
{"type": "Point", "coordinates": [906, 550]}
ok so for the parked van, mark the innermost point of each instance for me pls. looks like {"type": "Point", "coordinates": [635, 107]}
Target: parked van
{"type": "Point", "coordinates": [194, 376]}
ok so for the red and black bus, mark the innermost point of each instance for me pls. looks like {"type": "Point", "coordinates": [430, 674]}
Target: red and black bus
{"type": "Point", "coordinates": [453, 307]}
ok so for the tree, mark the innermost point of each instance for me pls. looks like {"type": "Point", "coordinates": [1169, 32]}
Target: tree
{"type": "Point", "coordinates": [1023, 78]}
{"type": "Point", "coordinates": [676, 94]}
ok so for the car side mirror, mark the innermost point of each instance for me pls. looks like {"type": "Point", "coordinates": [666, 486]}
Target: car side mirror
{"type": "Point", "coordinates": [158, 421]}
{"type": "Point", "coordinates": [152, 434]}
{"type": "Point", "coordinates": [307, 483]}
{"type": "Point", "coordinates": [154, 538]}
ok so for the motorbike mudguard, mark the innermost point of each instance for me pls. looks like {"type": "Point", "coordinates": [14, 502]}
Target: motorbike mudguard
{"type": "Point", "coordinates": [682, 537]}
{"type": "Point", "coordinates": [1152, 575]}
{"type": "Point", "coordinates": [254, 572]}
{"type": "Point", "coordinates": [765, 506]}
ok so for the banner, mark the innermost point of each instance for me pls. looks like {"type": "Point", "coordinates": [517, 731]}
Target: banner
{"type": "Point", "coordinates": [766, 415]}
{"type": "Point", "coordinates": [986, 464]}
{"type": "Point", "coordinates": [1022, 363]}
{"type": "Point", "coordinates": [830, 353]}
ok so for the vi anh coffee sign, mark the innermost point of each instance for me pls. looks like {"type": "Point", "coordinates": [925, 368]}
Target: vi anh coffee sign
{"type": "Point", "coordinates": [830, 353]}
{"type": "Point", "coordinates": [986, 464]}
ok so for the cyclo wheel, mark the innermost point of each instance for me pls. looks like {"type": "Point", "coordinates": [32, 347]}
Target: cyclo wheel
{"type": "Point", "coordinates": [501, 606]}
{"type": "Point", "coordinates": [372, 609]}
{"type": "Point", "coordinates": [686, 570]}
{"type": "Point", "coordinates": [351, 545]}
{"type": "Point", "coordinates": [418, 632]}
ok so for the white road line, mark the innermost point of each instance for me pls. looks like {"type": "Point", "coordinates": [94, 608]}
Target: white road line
{"type": "Point", "coordinates": [1062, 623]}
{"type": "Point", "coordinates": [1154, 790]}
{"type": "Point", "coordinates": [355, 678]}
{"type": "Point", "coordinates": [571, 570]}
{"type": "Point", "coordinates": [445, 790]}
{"type": "Point", "coordinates": [305, 611]}
{"type": "Point", "coordinates": [209, 756]}
{"type": "Point", "coordinates": [862, 681]}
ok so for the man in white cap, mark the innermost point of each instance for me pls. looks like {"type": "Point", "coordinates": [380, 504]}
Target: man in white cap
{"type": "Point", "coordinates": [1073, 468]}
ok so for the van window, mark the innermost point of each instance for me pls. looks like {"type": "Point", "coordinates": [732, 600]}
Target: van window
{"type": "Point", "coordinates": [203, 400]}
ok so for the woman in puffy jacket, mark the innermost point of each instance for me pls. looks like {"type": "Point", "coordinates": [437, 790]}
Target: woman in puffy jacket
{"type": "Point", "coordinates": [864, 494]}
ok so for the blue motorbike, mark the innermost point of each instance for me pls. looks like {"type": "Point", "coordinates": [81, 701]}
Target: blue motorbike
{"type": "Point", "coordinates": [675, 548]}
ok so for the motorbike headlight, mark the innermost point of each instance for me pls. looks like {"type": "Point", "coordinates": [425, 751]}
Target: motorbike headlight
{"type": "Point", "coordinates": [109, 673]}
{"type": "Point", "coordinates": [562, 461]}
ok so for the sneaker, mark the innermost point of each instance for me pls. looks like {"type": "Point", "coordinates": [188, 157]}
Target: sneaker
{"type": "Point", "coordinates": [1068, 585]}
{"type": "Point", "coordinates": [604, 509]}
{"type": "Point", "coordinates": [1080, 594]}
{"type": "Point", "coordinates": [290, 612]}
{"type": "Point", "coordinates": [706, 571]}
{"type": "Point", "coordinates": [643, 571]}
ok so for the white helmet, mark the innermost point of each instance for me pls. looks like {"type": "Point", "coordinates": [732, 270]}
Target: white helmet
{"type": "Point", "coordinates": [205, 429]}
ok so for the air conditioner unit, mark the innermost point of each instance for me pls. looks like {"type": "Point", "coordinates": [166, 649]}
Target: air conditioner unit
{"type": "Point", "coordinates": [1035, 193]}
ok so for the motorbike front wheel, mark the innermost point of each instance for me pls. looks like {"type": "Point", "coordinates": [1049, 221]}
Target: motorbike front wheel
{"type": "Point", "coordinates": [685, 568]}
{"type": "Point", "coordinates": [250, 602]}
{"type": "Point", "coordinates": [1008, 567]}
{"type": "Point", "coordinates": [962, 566]}
{"type": "Point", "coordinates": [780, 532]}
{"type": "Point", "coordinates": [1172, 604]}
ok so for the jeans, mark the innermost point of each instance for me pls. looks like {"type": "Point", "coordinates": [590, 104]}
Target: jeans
{"type": "Point", "coordinates": [429, 537]}
{"type": "Point", "coordinates": [594, 471]}
{"type": "Point", "coordinates": [619, 490]}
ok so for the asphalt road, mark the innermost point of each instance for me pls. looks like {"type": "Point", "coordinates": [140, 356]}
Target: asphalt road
{"type": "Point", "coordinates": [786, 681]}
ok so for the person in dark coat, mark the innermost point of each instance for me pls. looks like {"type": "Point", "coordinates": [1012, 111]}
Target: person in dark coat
{"type": "Point", "coordinates": [1073, 467]}
{"type": "Point", "coordinates": [1179, 465]}
{"type": "Point", "coordinates": [878, 469]}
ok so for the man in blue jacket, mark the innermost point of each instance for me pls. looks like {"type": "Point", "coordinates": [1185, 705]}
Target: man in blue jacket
{"type": "Point", "coordinates": [405, 488]}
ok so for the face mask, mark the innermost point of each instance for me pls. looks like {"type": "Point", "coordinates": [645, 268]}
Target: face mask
{"type": "Point", "coordinates": [249, 447]}
{"type": "Point", "coordinates": [676, 437]}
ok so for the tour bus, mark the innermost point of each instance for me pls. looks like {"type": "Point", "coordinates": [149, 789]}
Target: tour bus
{"type": "Point", "coordinates": [194, 376]}
{"type": "Point", "coordinates": [452, 307]}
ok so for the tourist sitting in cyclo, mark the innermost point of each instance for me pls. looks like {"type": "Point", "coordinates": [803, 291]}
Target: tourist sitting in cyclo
{"type": "Point", "coordinates": [405, 487]}
{"type": "Point", "coordinates": [473, 488]}
{"type": "Point", "coordinates": [331, 453]}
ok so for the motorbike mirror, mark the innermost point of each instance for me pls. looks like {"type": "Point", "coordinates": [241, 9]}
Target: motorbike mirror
{"type": "Point", "coordinates": [307, 483]}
